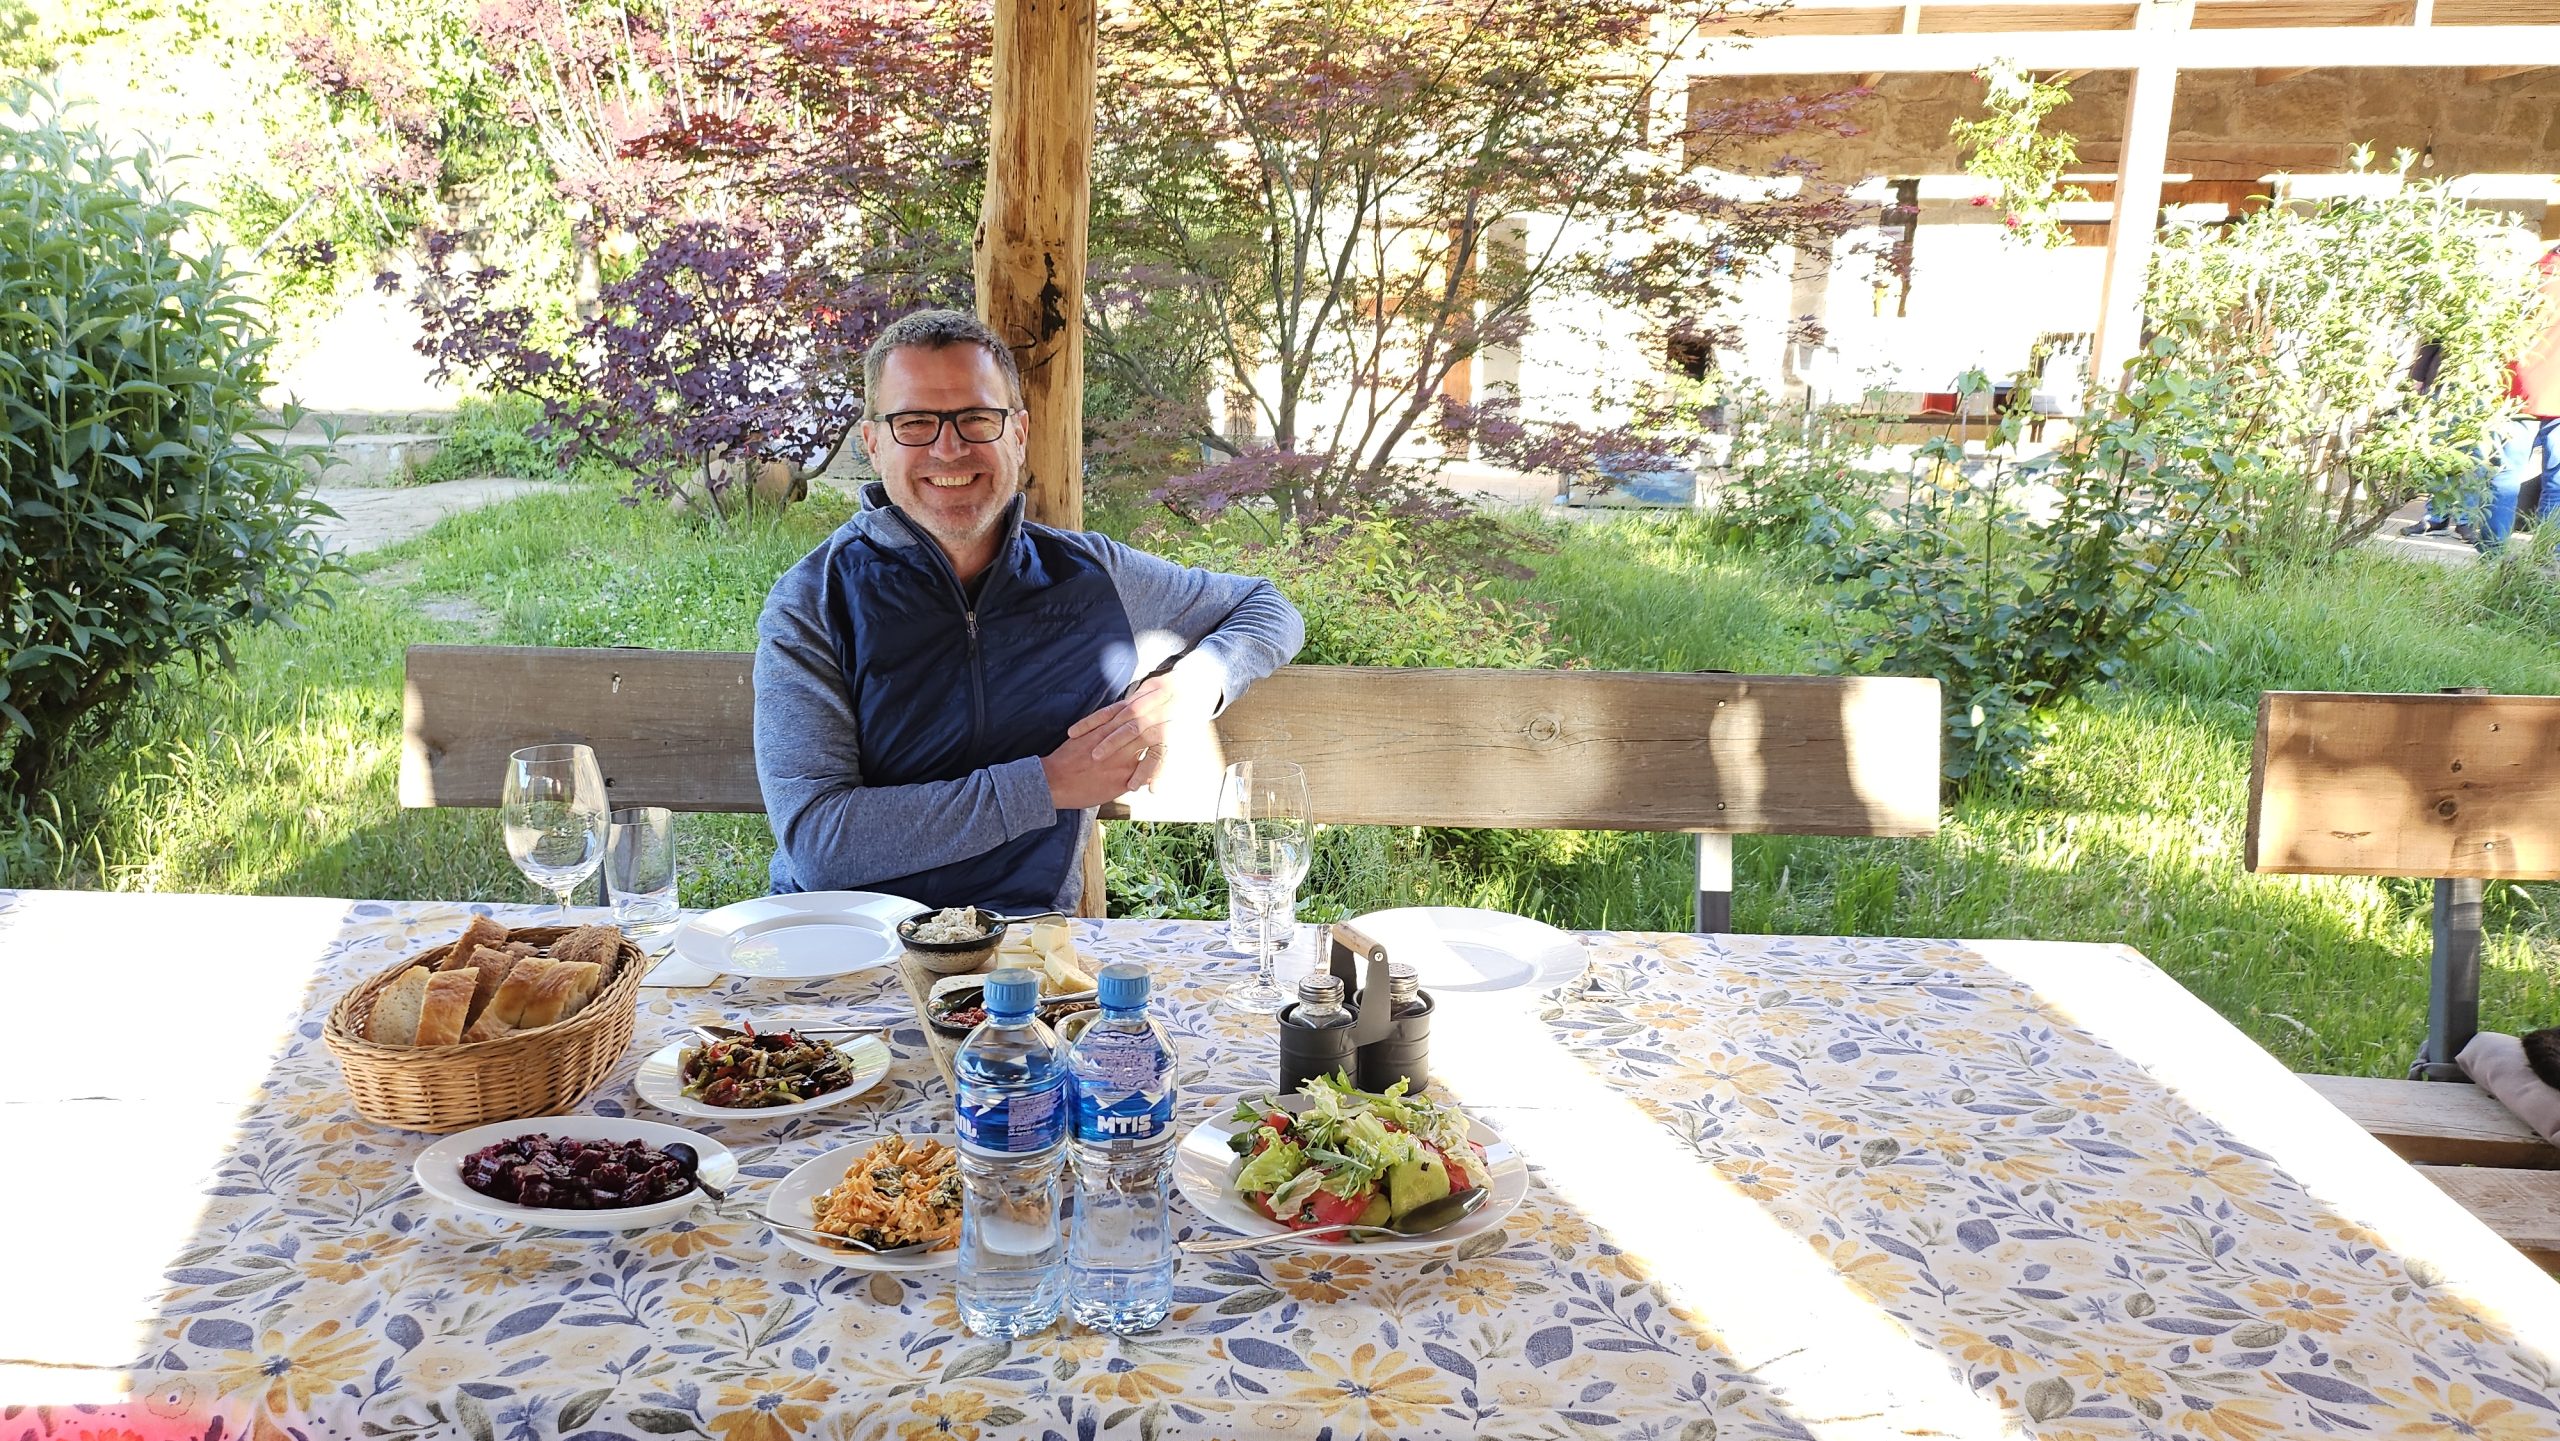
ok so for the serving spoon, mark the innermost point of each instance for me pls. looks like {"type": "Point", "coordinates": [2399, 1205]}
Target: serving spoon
{"type": "Point", "coordinates": [688, 1158]}
{"type": "Point", "coordinates": [1422, 1220]}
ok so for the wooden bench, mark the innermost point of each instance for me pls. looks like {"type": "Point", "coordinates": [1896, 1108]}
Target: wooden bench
{"type": "Point", "coordinates": [2462, 787]}
{"type": "Point", "coordinates": [1713, 753]}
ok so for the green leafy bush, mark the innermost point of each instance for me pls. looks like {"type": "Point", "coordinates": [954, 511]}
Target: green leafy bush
{"type": "Point", "coordinates": [2020, 586]}
{"type": "Point", "coordinates": [493, 437]}
{"type": "Point", "coordinates": [146, 515]}
{"type": "Point", "coordinates": [1790, 477]}
{"type": "Point", "coordinates": [2318, 317]}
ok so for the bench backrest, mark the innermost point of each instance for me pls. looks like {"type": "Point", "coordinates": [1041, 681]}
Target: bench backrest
{"type": "Point", "coordinates": [2450, 786]}
{"type": "Point", "coordinates": [1593, 750]}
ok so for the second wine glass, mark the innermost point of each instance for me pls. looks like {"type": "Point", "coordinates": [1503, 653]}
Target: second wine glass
{"type": "Point", "coordinates": [553, 809]}
{"type": "Point", "coordinates": [1266, 837]}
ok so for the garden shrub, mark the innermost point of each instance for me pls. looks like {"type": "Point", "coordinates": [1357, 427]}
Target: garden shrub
{"type": "Point", "coordinates": [2014, 611]}
{"type": "Point", "coordinates": [504, 436]}
{"type": "Point", "coordinates": [1793, 479]}
{"type": "Point", "coordinates": [2366, 342]}
{"type": "Point", "coordinates": [149, 511]}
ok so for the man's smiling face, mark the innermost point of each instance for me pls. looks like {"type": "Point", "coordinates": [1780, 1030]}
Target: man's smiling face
{"type": "Point", "coordinates": [955, 489]}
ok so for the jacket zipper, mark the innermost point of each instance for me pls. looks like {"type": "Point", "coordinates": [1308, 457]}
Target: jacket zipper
{"type": "Point", "coordinates": [968, 618]}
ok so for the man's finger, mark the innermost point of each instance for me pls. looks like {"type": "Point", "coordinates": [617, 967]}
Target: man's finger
{"type": "Point", "coordinates": [1149, 762]}
{"type": "Point", "coordinates": [1128, 735]}
{"type": "Point", "coordinates": [1108, 712]}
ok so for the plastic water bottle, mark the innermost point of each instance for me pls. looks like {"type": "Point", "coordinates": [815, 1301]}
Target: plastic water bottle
{"type": "Point", "coordinates": [1013, 1128]}
{"type": "Point", "coordinates": [1120, 1252]}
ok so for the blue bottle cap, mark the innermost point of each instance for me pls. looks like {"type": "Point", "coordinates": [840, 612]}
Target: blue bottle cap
{"type": "Point", "coordinates": [1121, 986]}
{"type": "Point", "coordinates": [1012, 991]}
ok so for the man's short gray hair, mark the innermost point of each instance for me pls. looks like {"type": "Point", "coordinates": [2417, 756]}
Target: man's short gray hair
{"type": "Point", "coordinates": [937, 330]}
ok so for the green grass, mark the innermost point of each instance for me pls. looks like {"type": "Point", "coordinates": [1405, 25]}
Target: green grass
{"type": "Point", "coordinates": [277, 777]}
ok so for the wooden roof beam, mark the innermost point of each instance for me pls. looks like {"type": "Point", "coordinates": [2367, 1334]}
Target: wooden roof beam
{"type": "Point", "coordinates": [2507, 47]}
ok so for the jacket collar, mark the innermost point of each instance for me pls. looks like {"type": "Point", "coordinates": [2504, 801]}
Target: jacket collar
{"type": "Point", "coordinates": [882, 522]}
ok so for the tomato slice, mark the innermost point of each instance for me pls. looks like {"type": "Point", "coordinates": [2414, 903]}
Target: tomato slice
{"type": "Point", "coordinates": [1328, 1209]}
{"type": "Point", "coordinates": [1458, 1182]}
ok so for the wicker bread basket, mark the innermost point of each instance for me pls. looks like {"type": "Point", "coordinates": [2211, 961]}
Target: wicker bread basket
{"type": "Point", "coordinates": [453, 1088]}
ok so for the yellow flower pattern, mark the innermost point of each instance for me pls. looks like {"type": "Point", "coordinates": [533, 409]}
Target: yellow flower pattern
{"type": "Point", "coordinates": [2068, 1240]}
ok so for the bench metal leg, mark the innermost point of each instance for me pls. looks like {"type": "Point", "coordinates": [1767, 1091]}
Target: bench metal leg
{"type": "Point", "coordinates": [2453, 981]}
{"type": "Point", "coordinates": [1715, 883]}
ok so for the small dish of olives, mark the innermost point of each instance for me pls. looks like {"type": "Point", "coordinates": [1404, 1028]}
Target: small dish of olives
{"type": "Point", "coordinates": [576, 1173]}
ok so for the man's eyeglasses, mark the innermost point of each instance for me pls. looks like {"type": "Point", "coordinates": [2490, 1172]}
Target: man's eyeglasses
{"type": "Point", "coordinates": [977, 425]}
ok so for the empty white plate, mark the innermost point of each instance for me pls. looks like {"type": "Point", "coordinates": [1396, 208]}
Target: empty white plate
{"type": "Point", "coordinates": [803, 937]}
{"type": "Point", "coordinates": [1457, 948]}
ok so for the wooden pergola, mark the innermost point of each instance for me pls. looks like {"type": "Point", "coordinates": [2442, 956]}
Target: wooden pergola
{"type": "Point", "coordinates": [2155, 40]}
{"type": "Point", "coordinates": [1031, 234]}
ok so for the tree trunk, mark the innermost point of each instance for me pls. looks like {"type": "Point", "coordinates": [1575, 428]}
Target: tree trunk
{"type": "Point", "coordinates": [1031, 232]}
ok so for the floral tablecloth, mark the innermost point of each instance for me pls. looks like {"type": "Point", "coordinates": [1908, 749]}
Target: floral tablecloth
{"type": "Point", "coordinates": [1782, 1187]}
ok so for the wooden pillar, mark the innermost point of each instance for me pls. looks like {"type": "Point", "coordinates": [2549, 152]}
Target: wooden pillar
{"type": "Point", "coordinates": [2137, 219]}
{"type": "Point", "coordinates": [1031, 232]}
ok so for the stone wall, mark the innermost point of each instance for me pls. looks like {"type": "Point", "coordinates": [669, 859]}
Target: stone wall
{"type": "Point", "coordinates": [2506, 127]}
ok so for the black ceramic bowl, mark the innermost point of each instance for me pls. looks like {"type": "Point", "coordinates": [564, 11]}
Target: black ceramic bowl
{"type": "Point", "coordinates": [952, 958]}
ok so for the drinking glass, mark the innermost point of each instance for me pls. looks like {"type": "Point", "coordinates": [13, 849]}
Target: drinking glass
{"type": "Point", "coordinates": [640, 870]}
{"type": "Point", "coordinates": [1265, 839]}
{"type": "Point", "coordinates": [554, 812]}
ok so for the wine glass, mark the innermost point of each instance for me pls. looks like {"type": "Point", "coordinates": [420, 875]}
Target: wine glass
{"type": "Point", "coordinates": [1265, 839]}
{"type": "Point", "coordinates": [553, 809]}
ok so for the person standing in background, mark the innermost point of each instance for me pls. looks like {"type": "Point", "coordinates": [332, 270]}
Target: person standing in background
{"type": "Point", "coordinates": [2529, 455]}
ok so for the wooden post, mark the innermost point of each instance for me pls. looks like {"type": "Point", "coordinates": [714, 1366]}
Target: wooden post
{"type": "Point", "coordinates": [1031, 232]}
{"type": "Point", "coordinates": [2136, 222]}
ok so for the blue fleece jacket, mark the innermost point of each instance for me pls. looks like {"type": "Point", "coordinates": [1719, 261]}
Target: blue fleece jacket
{"type": "Point", "coordinates": [899, 723]}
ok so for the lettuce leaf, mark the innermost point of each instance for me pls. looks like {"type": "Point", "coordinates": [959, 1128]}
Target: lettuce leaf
{"type": "Point", "coordinates": [1273, 1168]}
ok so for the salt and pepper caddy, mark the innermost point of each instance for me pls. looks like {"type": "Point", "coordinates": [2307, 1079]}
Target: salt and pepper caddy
{"type": "Point", "coordinates": [1388, 1041]}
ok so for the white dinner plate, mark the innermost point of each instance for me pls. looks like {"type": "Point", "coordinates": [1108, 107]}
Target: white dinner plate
{"type": "Point", "coordinates": [1204, 1169]}
{"type": "Point", "coordinates": [661, 1081]}
{"type": "Point", "coordinates": [804, 937]}
{"type": "Point", "coordinates": [1457, 948]}
{"type": "Point", "coordinates": [439, 1171]}
{"type": "Point", "coordinates": [792, 1204]}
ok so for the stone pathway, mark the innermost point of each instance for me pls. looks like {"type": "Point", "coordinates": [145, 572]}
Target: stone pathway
{"type": "Point", "coordinates": [370, 518]}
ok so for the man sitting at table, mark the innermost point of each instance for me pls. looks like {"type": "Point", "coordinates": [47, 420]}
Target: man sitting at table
{"type": "Point", "coordinates": [944, 690]}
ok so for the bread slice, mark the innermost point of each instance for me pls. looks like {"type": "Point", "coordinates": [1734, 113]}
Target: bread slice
{"type": "Point", "coordinates": [554, 993]}
{"type": "Point", "coordinates": [394, 1021]}
{"type": "Point", "coordinates": [522, 949]}
{"type": "Point", "coordinates": [487, 1028]}
{"type": "Point", "coordinates": [448, 1007]}
{"type": "Point", "coordinates": [586, 982]}
{"type": "Point", "coordinates": [494, 967]}
{"type": "Point", "coordinates": [506, 1007]}
{"type": "Point", "coordinates": [481, 932]}
{"type": "Point", "coordinates": [599, 946]}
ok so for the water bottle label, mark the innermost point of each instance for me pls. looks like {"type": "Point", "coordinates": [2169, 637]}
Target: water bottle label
{"type": "Point", "coordinates": [1121, 1090]}
{"type": "Point", "coordinates": [1013, 1120]}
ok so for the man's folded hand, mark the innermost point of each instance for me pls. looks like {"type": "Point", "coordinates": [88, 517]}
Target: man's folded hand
{"type": "Point", "coordinates": [1161, 707]}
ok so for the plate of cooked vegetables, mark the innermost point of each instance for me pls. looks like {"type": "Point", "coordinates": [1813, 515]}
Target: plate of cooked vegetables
{"type": "Point", "coordinates": [895, 1191]}
{"type": "Point", "coordinates": [1332, 1154]}
{"type": "Point", "coordinates": [760, 1073]}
